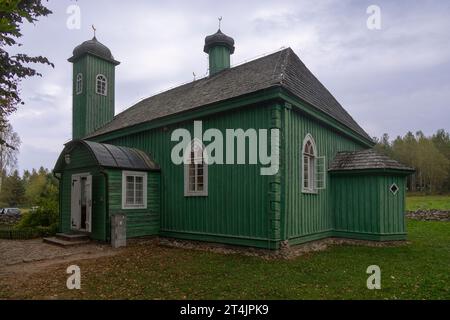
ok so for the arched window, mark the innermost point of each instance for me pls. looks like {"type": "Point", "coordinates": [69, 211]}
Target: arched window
{"type": "Point", "coordinates": [309, 164]}
{"type": "Point", "coordinates": [195, 170]}
{"type": "Point", "coordinates": [101, 85]}
{"type": "Point", "coordinates": [79, 84]}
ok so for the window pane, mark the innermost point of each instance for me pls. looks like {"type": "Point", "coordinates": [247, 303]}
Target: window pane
{"type": "Point", "coordinates": [196, 171]}
{"type": "Point", "coordinates": [311, 172]}
{"type": "Point", "coordinates": [192, 182]}
{"type": "Point", "coordinates": [139, 197]}
{"type": "Point", "coordinates": [306, 170]}
{"type": "Point", "coordinates": [307, 147]}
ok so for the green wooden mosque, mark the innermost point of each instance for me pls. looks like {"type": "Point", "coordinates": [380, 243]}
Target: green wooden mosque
{"type": "Point", "coordinates": [329, 183]}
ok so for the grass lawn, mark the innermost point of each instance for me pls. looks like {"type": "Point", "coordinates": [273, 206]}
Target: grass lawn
{"type": "Point", "coordinates": [418, 270]}
{"type": "Point", "coordinates": [416, 202]}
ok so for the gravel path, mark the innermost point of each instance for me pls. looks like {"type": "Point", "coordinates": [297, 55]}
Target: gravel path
{"type": "Point", "coordinates": [429, 215]}
{"type": "Point", "coordinates": [30, 255]}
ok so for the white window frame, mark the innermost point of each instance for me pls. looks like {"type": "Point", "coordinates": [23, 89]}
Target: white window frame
{"type": "Point", "coordinates": [311, 165]}
{"type": "Point", "coordinates": [126, 174]}
{"type": "Point", "coordinates": [187, 154]}
{"type": "Point", "coordinates": [396, 187]}
{"type": "Point", "coordinates": [97, 80]}
{"type": "Point", "coordinates": [79, 83]}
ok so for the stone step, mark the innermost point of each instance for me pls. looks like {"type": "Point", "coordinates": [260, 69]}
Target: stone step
{"type": "Point", "coordinates": [72, 236]}
{"type": "Point", "coordinates": [65, 243]}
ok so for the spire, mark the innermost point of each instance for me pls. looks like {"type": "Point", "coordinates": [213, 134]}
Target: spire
{"type": "Point", "coordinates": [219, 47]}
{"type": "Point", "coordinates": [95, 30]}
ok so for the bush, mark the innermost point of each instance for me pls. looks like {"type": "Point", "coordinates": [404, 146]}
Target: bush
{"type": "Point", "coordinates": [44, 219]}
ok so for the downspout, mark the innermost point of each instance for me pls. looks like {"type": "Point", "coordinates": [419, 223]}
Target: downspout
{"type": "Point", "coordinates": [275, 184]}
{"type": "Point", "coordinates": [59, 202]}
{"type": "Point", "coordinates": [106, 199]}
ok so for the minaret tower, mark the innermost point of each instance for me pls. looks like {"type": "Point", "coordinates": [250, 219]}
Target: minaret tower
{"type": "Point", "coordinates": [93, 87]}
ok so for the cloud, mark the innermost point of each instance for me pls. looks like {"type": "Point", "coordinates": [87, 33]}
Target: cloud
{"type": "Point", "coordinates": [391, 80]}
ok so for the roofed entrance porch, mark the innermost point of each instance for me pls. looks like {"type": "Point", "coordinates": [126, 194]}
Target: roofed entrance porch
{"type": "Point", "coordinates": [98, 180]}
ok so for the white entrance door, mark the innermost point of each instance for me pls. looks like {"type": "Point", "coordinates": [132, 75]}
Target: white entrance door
{"type": "Point", "coordinates": [75, 200]}
{"type": "Point", "coordinates": [88, 201]}
{"type": "Point", "coordinates": [81, 202]}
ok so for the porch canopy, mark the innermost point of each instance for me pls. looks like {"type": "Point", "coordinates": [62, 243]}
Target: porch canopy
{"type": "Point", "coordinates": [108, 156]}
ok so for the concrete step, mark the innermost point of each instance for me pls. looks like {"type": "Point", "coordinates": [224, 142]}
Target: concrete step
{"type": "Point", "coordinates": [65, 243]}
{"type": "Point", "coordinates": [72, 236]}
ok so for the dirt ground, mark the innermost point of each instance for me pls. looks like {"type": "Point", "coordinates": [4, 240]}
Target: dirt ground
{"type": "Point", "coordinates": [29, 256]}
{"type": "Point", "coordinates": [31, 269]}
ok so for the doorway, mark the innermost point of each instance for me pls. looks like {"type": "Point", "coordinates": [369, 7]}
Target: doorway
{"type": "Point", "coordinates": [81, 202]}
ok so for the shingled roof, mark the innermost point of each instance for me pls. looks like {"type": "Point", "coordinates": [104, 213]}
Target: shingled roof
{"type": "Point", "coordinates": [110, 156]}
{"type": "Point", "coordinates": [283, 68]}
{"type": "Point", "coordinates": [364, 160]}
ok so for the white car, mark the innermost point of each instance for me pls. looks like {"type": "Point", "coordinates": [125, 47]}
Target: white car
{"type": "Point", "coordinates": [10, 211]}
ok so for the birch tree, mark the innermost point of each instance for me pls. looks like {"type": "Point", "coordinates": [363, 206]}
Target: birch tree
{"type": "Point", "coordinates": [9, 150]}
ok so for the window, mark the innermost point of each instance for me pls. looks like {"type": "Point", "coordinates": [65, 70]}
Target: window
{"type": "Point", "coordinates": [313, 167]}
{"type": "Point", "coordinates": [101, 85]}
{"type": "Point", "coordinates": [79, 84]}
{"type": "Point", "coordinates": [394, 189]}
{"type": "Point", "coordinates": [195, 171]}
{"type": "Point", "coordinates": [134, 190]}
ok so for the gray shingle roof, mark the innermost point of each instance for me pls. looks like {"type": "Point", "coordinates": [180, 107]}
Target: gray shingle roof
{"type": "Point", "coordinates": [282, 68]}
{"type": "Point", "coordinates": [363, 160]}
{"type": "Point", "coordinates": [111, 156]}
{"type": "Point", "coordinates": [95, 48]}
{"type": "Point", "coordinates": [218, 38]}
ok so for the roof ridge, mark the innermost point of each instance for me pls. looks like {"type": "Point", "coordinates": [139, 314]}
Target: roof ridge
{"type": "Point", "coordinates": [295, 59]}
{"type": "Point", "coordinates": [136, 104]}
{"type": "Point", "coordinates": [282, 68]}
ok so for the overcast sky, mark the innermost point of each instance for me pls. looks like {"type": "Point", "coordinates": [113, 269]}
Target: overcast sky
{"type": "Point", "coordinates": [390, 80]}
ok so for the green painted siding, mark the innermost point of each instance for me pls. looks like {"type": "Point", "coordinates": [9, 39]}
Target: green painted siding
{"type": "Point", "coordinates": [79, 100]}
{"type": "Point", "coordinates": [140, 222]}
{"type": "Point", "coordinates": [307, 216]}
{"type": "Point", "coordinates": [219, 59]}
{"type": "Point", "coordinates": [236, 208]}
{"type": "Point", "coordinates": [80, 157]}
{"type": "Point", "coordinates": [91, 110]}
{"type": "Point", "coordinates": [365, 208]}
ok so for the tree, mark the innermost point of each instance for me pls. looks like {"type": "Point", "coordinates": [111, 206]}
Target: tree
{"type": "Point", "coordinates": [14, 68]}
{"type": "Point", "coordinates": [13, 191]}
{"type": "Point", "coordinates": [432, 164]}
{"type": "Point", "coordinates": [383, 145]}
{"type": "Point", "coordinates": [8, 151]}
{"type": "Point", "coordinates": [40, 187]}
{"type": "Point", "coordinates": [34, 187]}
{"type": "Point", "coordinates": [441, 140]}
{"type": "Point", "coordinates": [430, 156]}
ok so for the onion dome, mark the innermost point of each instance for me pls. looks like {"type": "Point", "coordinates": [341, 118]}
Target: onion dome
{"type": "Point", "coordinates": [95, 48]}
{"type": "Point", "coordinates": [219, 39]}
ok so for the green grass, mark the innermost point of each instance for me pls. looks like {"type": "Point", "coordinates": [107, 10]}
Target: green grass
{"type": "Point", "coordinates": [418, 270]}
{"type": "Point", "coordinates": [424, 202]}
